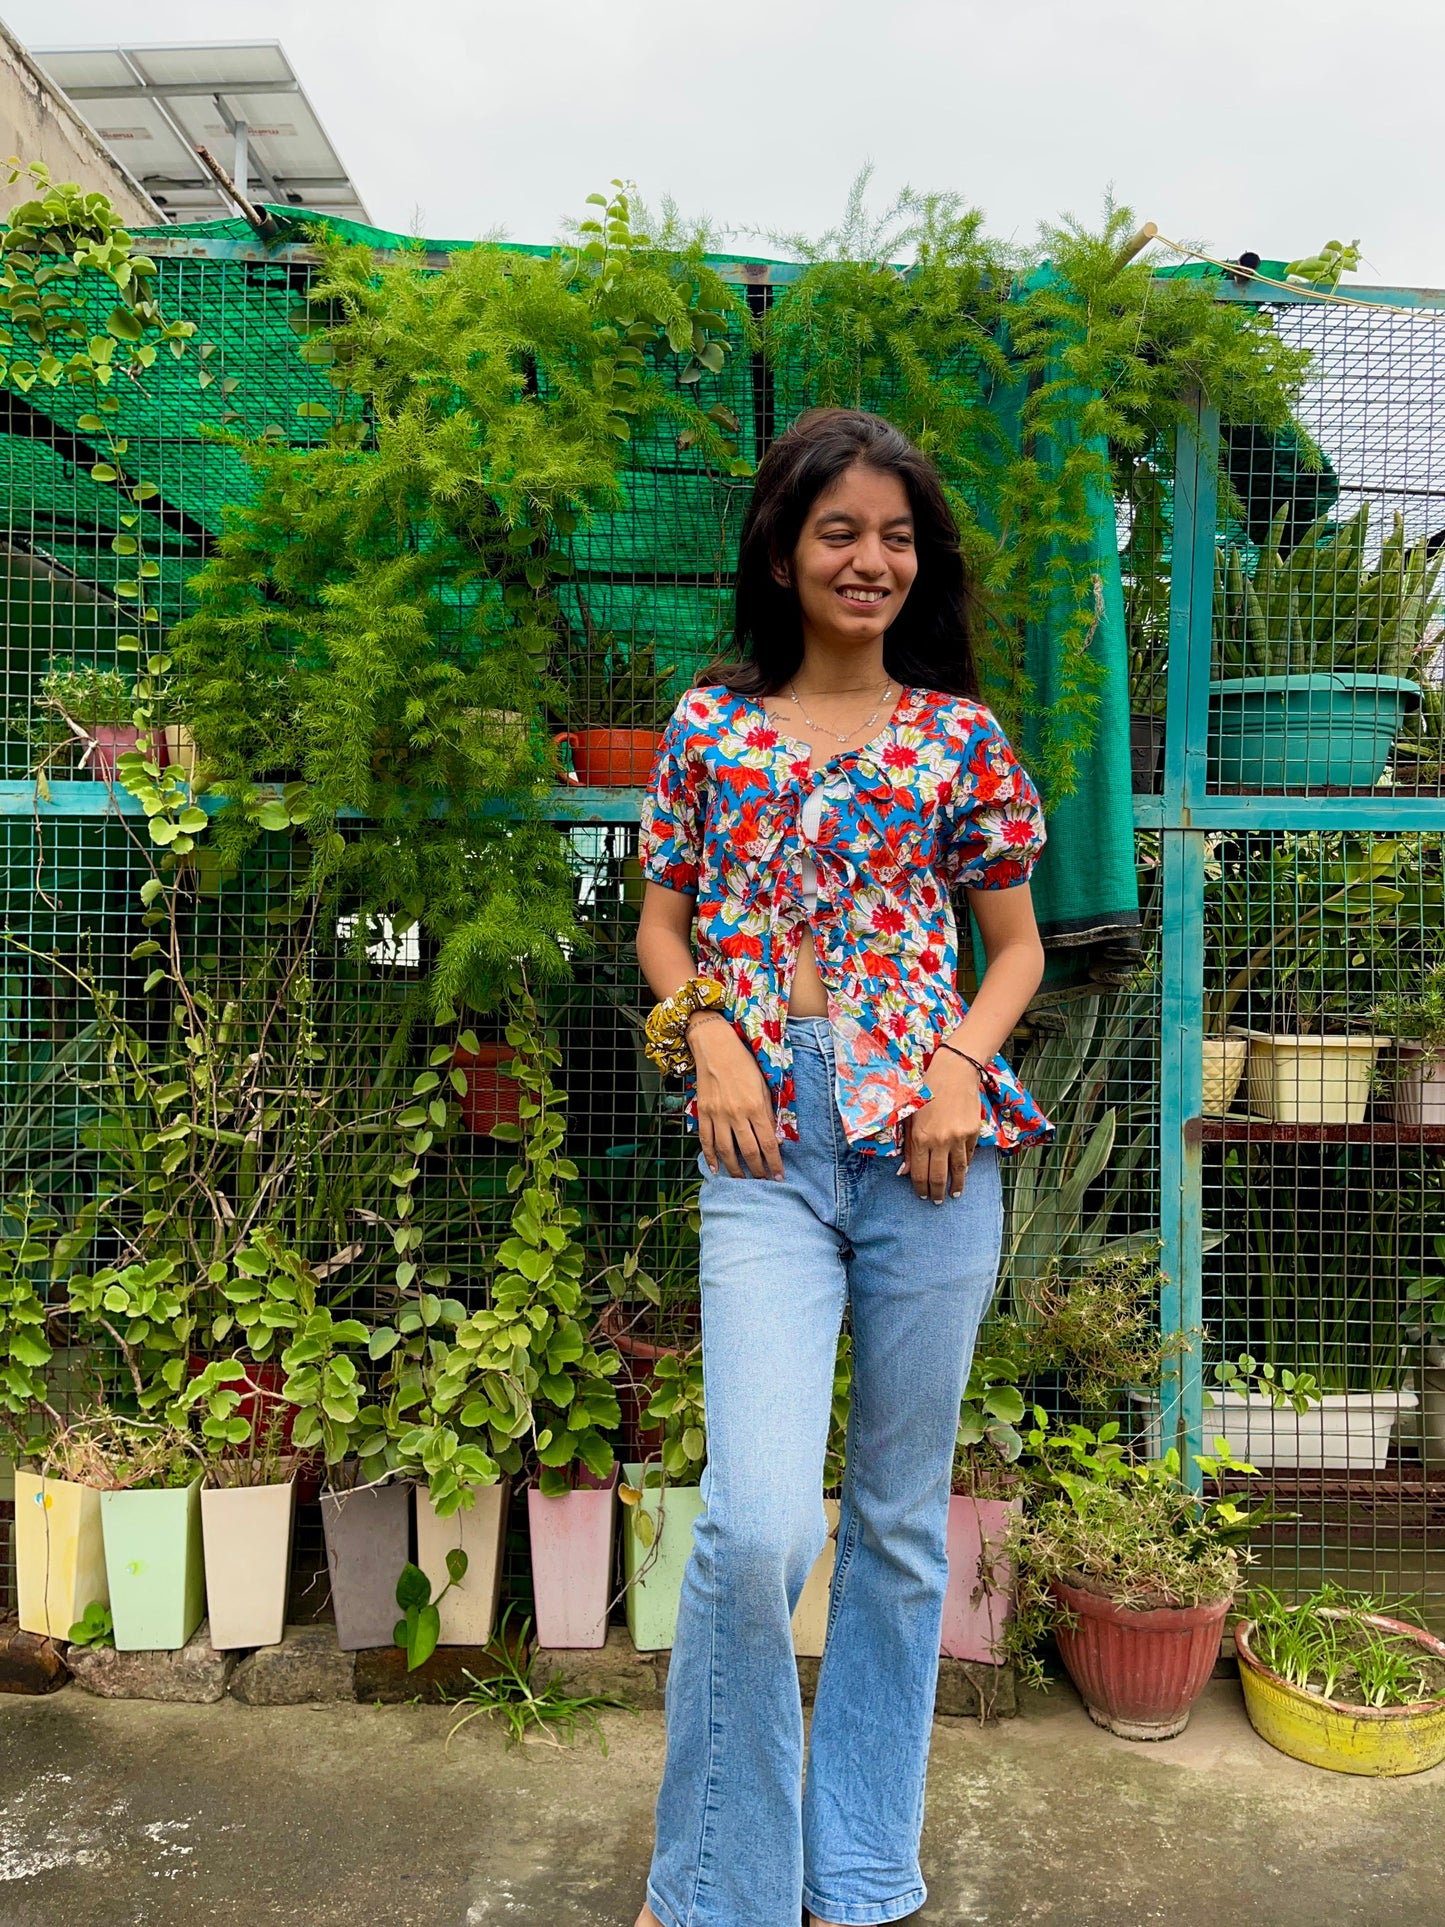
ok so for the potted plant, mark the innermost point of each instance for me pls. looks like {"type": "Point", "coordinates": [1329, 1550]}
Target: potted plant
{"type": "Point", "coordinates": [524, 1372]}
{"type": "Point", "coordinates": [663, 1498]}
{"type": "Point", "coordinates": [985, 1501]}
{"type": "Point", "coordinates": [489, 1094]}
{"type": "Point", "coordinates": [149, 1480]}
{"type": "Point", "coordinates": [655, 1311]}
{"type": "Point", "coordinates": [1340, 1681]}
{"type": "Point", "coordinates": [248, 1506]}
{"type": "Point", "coordinates": [1417, 1024]}
{"type": "Point", "coordinates": [1267, 923]}
{"type": "Point", "coordinates": [1320, 656]}
{"type": "Point", "coordinates": [98, 706]}
{"type": "Point", "coordinates": [1132, 1572]}
{"type": "Point", "coordinates": [618, 703]}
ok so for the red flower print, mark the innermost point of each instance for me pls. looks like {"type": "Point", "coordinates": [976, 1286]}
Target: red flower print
{"type": "Point", "coordinates": [899, 756]}
{"type": "Point", "coordinates": [888, 920]}
{"type": "Point", "coordinates": [761, 736]}
{"type": "Point", "coordinates": [773, 1030]}
{"type": "Point", "coordinates": [930, 961]}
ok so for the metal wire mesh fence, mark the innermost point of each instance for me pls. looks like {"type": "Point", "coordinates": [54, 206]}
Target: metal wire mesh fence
{"type": "Point", "coordinates": [1323, 1244]}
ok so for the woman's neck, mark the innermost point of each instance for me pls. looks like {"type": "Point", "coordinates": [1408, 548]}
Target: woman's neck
{"type": "Point", "coordinates": [826, 671]}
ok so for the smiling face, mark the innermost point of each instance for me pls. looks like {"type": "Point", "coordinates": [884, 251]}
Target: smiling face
{"type": "Point", "coordinates": [855, 561]}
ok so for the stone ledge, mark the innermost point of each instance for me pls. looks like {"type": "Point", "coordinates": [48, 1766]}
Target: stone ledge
{"type": "Point", "coordinates": [971, 1689]}
{"type": "Point", "coordinates": [381, 1674]}
{"type": "Point", "coordinates": [614, 1671]}
{"type": "Point", "coordinates": [196, 1674]}
{"type": "Point", "coordinates": [306, 1668]}
{"type": "Point", "coordinates": [29, 1662]}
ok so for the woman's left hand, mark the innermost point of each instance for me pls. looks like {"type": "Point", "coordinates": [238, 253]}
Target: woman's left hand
{"type": "Point", "coordinates": [939, 1140]}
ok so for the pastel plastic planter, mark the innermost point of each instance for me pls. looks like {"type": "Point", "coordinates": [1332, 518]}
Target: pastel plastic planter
{"type": "Point", "coordinates": [1341, 1432]}
{"type": "Point", "coordinates": [978, 1600]}
{"type": "Point", "coordinates": [571, 1539]}
{"type": "Point", "coordinates": [1311, 1080]}
{"type": "Point", "coordinates": [1224, 1061]}
{"type": "Point", "coordinates": [1322, 731]}
{"type": "Point", "coordinates": [654, 1573]}
{"type": "Point", "coordinates": [469, 1610]}
{"type": "Point", "coordinates": [59, 1553]}
{"type": "Point", "coordinates": [105, 742]}
{"type": "Point", "coordinates": [810, 1615]}
{"type": "Point", "coordinates": [1138, 1672]}
{"type": "Point", "coordinates": [368, 1539]}
{"type": "Point", "coordinates": [1419, 1098]}
{"type": "Point", "coordinates": [155, 1564]}
{"type": "Point", "coordinates": [1378, 1741]}
{"type": "Point", "coordinates": [246, 1531]}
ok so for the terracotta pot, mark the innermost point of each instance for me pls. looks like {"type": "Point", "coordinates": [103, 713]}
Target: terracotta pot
{"type": "Point", "coordinates": [107, 741]}
{"type": "Point", "coordinates": [572, 1562]}
{"type": "Point", "coordinates": [491, 1097]}
{"type": "Point", "coordinates": [1138, 1672]}
{"type": "Point", "coordinates": [634, 1439]}
{"type": "Point", "coordinates": [612, 758]}
{"type": "Point", "coordinates": [978, 1601]}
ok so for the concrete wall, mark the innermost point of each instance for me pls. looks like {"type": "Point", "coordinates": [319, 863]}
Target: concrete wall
{"type": "Point", "coordinates": [38, 124]}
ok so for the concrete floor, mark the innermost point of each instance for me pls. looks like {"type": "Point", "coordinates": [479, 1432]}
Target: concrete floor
{"type": "Point", "coordinates": [121, 1812]}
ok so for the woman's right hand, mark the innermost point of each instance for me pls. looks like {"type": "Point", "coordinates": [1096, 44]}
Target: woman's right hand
{"type": "Point", "coordinates": [734, 1106]}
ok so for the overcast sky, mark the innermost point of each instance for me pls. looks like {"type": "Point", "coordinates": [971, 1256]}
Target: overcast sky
{"type": "Point", "coordinates": [1265, 124]}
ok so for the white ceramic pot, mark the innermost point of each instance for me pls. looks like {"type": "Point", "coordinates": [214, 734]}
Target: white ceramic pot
{"type": "Point", "coordinates": [810, 1615]}
{"type": "Point", "coordinates": [247, 1530]}
{"type": "Point", "coordinates": [469, 1610]}
{"type": "Point", "coordinates": [1224, 1059]}
{"type": "Point", "coordinates": [1311, 1080]}
{"type": "Point", "coordinates": [1419, 1098]}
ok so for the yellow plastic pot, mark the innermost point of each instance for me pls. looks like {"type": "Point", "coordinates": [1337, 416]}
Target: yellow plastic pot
{"type": "Point", "coordinates": [1378, 1741]}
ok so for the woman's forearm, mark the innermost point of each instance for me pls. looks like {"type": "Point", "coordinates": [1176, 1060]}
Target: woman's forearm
{"type": "Point", "coordinates": [664, 940]}
{"type": "Point", "coordinates": [1013, 974]}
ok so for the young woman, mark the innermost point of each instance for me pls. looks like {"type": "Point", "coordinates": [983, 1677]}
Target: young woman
{"type": "Point", "coordinates": [813, 806]}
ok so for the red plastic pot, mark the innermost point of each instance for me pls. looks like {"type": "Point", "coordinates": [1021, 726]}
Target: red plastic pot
{"type": "Point", "coordinates": [491, 1097]}
{"type": "Point", "coordinates": [612, 758]}
{"type": "Point", "coordinates": [1138, 1672]}
{"type": "Point", "coordinates": [631, 1384]}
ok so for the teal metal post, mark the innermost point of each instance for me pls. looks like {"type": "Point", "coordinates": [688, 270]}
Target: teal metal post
{"type": "Point", "coordinates": [1181, 1055]}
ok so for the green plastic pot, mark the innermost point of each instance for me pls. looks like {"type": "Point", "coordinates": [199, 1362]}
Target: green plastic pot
{"type": "Point", "coordinates": [154, 1562]}
{"type": "Point", "coordinates": [654, 1573]}
{"type": "Point", "coordinates": [1323, 731]}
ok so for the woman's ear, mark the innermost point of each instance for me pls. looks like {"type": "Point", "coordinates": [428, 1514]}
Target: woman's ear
{"type": "Point", "coordinates": [782, 571]}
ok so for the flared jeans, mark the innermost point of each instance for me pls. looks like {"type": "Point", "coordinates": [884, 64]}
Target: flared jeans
{"type": "Point", "coordinates": [741, 1841]}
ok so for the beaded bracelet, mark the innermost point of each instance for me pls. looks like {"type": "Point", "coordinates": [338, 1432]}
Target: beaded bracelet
{"type": "Point", "coordinates": [666, 1040]}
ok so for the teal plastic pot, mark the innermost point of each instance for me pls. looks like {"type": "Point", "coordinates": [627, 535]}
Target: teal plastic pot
{"type": "Point", "coordinates": [1323, 731]}
{"type": "Point", "coordinates": [154, 1563]}
{"type": "Point", "coordinates": [654, 1573]}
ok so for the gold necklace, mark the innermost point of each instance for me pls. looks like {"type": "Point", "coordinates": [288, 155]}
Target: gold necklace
{"type": "Point", "coordinates": [862, 728]}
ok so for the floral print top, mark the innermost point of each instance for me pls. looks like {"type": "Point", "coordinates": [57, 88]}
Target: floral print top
{"type": "Point", "coordinates": [934, 803]}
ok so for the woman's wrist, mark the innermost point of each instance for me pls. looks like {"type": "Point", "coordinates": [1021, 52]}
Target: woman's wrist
{"type": "Point", "coordinates": [703, 1020]}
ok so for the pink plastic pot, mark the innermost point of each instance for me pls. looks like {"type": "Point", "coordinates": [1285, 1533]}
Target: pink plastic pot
{"type": "Point", "coordinates": [572, 1563]}
{"type": "Point", "coordinates": [979, 1599]}
{"type": "Point", "coordinates": [1138, 1673]}
{"type": "Point", "coordinates": [109, 740]}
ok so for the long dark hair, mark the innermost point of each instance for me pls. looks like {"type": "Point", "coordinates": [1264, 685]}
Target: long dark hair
{"type": "Point", "coordinates": [930, 644]}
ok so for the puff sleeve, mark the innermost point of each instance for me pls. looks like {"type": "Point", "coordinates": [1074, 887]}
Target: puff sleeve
{"type": "Point", "coordinates": [670, 844]}
{"type": "Point", "coordinates": [995, 828]}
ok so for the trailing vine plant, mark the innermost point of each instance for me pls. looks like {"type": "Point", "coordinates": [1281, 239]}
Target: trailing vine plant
{"type": "Point", "coordinates": [1045, 383]}
{"type": "Point", "coordinates": [367, 659]}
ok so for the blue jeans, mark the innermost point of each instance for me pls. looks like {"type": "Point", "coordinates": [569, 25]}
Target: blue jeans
{"type": "Point", "coordinates": [740, 1843]}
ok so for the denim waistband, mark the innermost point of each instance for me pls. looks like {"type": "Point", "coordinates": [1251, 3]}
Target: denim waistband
{"type": "Point", "coordinates": [811, 1033]}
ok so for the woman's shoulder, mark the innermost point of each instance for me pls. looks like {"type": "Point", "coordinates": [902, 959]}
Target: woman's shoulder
{"type": "Point", "coordinates": [706, 709]}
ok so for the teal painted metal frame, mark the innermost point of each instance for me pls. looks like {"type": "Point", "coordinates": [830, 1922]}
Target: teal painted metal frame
{"type": "Point", "coordinates": [1184, 817]}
